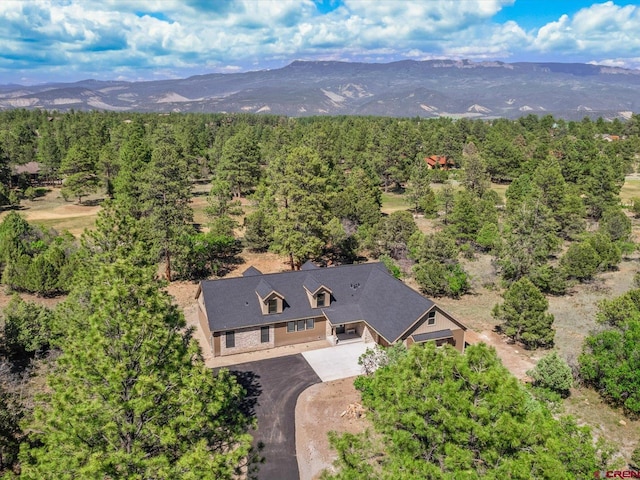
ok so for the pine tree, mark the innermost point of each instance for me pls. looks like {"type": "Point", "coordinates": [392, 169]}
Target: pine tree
{"type": "Point", "coordinates": [118, 234]}
{"type": "Point", "coordinates": [524, 315]}
{"type": "Point", "coordinates": [530, 236]}
{"type": "Point", "coordinates": [446, 197]}
{"type": "Point", "coordinates": [10, 432]}
{"type": "Point", "coordinates": [442, 415]}
{"type": "Point", "coordinates": [475, 178]}
{"type": "Point", "coordinates": [130, 396]}
{"type": "Point", "coordinates": [240, 162]}
{"type": "Point", "coordinates": [418, 190]}
{"type": "Point", "coordinates": [26, 327]}
{"type": "Point", "coordinates": [166, 198]}
{"type": "Point", "coordinates": [79, 166]}
{"type": "Point", "coordinates": [134, 158]}
{"type": "Point", "coordinates": [222, 208]}
{"type": "Point", "coordinates": [464, 221]}
{"type": "Point", "coordinates": [303, 213]}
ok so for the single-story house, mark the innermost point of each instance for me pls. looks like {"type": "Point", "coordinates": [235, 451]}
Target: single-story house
{"type": "Point", "coordinates": [439, 161]}
{"type": "Point", "coordinates": [361, 302]}
{"type": "Point", "coordinates": [33, 173]}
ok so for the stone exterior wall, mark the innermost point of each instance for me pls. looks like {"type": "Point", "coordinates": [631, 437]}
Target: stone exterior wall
{"type": "Point", "coordinates": [329, 333]}
{"type": "Point", "coordinates": [369, 335]}
{"type": "Point", "coordinates": [247, 340]}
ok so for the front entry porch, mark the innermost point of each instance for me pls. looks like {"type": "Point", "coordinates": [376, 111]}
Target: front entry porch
{"type": "Point", "coordinates": [348, 333]}
{"type": "Point", "coordinates": [348, 337]}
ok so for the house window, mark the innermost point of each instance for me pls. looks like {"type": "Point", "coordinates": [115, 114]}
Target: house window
{"type": "Point", "coordinates": [264, 334]}
{"type": "Point", "coordinates": [301, 325]}
{"type": "Point", "coordinates": [230, 339]}
{"type": "Point", "coordinates": [320, 299]}
{"type": "Point", "coordinates": [273, 305]}
{"type": "Point", "coordinates": [431, 318]}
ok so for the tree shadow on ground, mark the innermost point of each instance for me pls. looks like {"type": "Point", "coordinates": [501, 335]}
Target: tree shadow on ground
{"type": "Point", "coordinates": [251, 384]}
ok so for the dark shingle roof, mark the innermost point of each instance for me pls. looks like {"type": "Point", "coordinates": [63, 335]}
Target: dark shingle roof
{"type": "Point", "coordinates": [264, 288]}
{"type": "Point", "coordinates": [251, 271]}
{"type": "Point", "coordinates": [366, 291]}
{"type": "Point", "coordinates": [439, 335]}
{"type": "Point", "coordinates": [343, 314]}
{"type": "Point", "coordinates": [312, 284]}
{"type": "Point", "coordinates": [309, 265]}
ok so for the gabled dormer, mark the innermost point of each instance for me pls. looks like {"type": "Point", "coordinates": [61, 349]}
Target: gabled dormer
{"type": "Point", "coordinates": [271, 301]}
{"type": "Point", "coordinates": [318, 294]}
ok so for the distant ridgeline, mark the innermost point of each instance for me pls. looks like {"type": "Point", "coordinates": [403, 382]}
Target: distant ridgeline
{"type": "Point", "coordinates": [429, 89]}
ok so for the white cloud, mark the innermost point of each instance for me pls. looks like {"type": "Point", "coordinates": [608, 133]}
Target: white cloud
{"type": "Point", "coordinates": [603, 28]}
{"type": "Point", "coordinates": [629, 62]}
{"type": "Point", "coordinates": [169, 36]}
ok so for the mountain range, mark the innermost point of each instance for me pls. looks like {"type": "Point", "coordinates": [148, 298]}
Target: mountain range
{"type": "Point", "coordinates": [408, 88]}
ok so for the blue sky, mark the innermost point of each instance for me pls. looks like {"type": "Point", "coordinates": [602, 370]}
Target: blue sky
{"type": "Point", "coordinates": [68, 40]}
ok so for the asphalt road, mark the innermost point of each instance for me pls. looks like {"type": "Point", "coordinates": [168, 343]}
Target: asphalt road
{"type": "Point", "coordinates": [274, 386]}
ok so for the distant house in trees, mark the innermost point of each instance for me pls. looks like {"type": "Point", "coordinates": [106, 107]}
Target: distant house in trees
{"type": "Point", "coordinates": [608, 138]}
{"type": "Point", "coordinates": [439, 161]}
{"type": "Point", "coordinates": [32, 173]}
{"type": "Point", "coordinates": [347, 303]}
{"type": "Point", "coordinates": [29, 174]}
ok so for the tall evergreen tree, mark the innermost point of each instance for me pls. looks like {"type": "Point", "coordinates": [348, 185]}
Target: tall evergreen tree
{"type": "Point", "coordinates": [166, 198]}
{"type": "Point", "coordinates": [134, 157]}
{"type": "Point", "coordinates": [240, 162]}
{"type": "Point", "coordinates": [222, 209]}
{"type": "Point", "coordinates": [475, 178]}
{"type": "Point", "coordinates": [130, 396]}
{"type": "Point", "coordinates": [359, 200]}
{"type": "Point", "coordinates": [79, 166]}
{"type": "Point", "coordinates": [419, 192]}
{"type": "Point", "coordinates": [530, 236]}
{"type": "Point", "coordinates": [446, 197]}
{"type": "Point", "coordinates": [303, 196]}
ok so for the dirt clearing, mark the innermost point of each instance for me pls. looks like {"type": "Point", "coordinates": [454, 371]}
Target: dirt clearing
{"type": "Point", "coordinates": [319, 411]}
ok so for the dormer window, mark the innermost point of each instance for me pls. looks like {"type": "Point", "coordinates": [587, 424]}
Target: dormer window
{"type": "Point", "coordinates": [272, 305]}
{"type": "Point", "coordinates": [320, 299]}
{"type": "Point", "coordinates": [270, 300]}
{"type": "Point", "coordinates": [319, 295]}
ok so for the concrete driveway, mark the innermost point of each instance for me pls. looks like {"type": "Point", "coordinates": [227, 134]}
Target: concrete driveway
{"type": "Point", "coordinates": [273, 386]}
{"type": "Point", "coordinates": [340, 361]}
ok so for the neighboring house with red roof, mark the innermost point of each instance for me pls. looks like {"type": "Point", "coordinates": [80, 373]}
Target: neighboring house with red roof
{"type": "Point", "coordinates": [439, 161]}
{"type": "Point", "coordinates": [361, 302]}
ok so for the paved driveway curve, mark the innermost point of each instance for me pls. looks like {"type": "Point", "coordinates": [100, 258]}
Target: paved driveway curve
{"type": "Point", "coordinates": [275, 384]}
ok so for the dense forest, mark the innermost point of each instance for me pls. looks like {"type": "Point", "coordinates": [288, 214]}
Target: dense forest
{"type": "Point", "coordinates": [126, 384]}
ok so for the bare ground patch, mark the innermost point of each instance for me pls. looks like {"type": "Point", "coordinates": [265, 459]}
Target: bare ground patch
{"type": "Point", "coordinates": [575, 313]}
{"type": "Point", "coordinates": [5, 298]}
{"type": "Point", "coordinates": [606, 422]}
{"type": "Point", "coordinates": [318, 412]}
